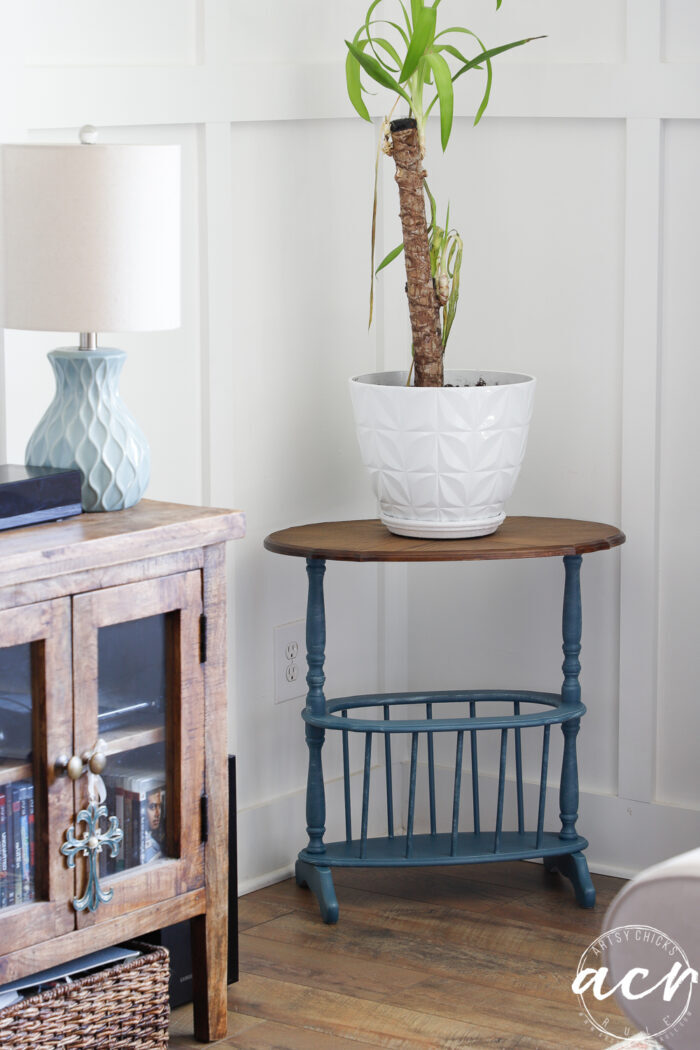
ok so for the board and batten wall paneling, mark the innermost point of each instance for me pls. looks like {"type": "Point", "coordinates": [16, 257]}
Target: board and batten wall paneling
{"type": "Point", "coordinates": [639, 460]}
{"type": "Point", "coordinates": [577, 189]}
{"type": "Point", "coordinates": [680, 31]}
{"type": "Point", "coordinates": [678, 720]}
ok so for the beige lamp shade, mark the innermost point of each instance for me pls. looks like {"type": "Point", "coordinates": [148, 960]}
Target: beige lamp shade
{"type": "Point", "coordinates": [91, 237]}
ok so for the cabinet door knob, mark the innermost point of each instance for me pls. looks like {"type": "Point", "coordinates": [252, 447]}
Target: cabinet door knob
{"type": "Point", "coordinates": [97, 762]}
{"type": "Point", "coordinates": [72, 766]}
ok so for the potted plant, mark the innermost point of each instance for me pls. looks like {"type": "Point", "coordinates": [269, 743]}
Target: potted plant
{"type": "Point", "coordinates": [443, 451]}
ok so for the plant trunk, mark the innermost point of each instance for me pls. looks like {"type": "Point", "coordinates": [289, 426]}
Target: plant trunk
{"type": "Point", "coordinates": [423, 304]}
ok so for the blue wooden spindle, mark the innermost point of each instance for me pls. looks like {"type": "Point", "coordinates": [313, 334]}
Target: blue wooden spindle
{"type": "Point", "coordinates": [501, 790]}
{"type": "Point", "coordinates": [568, 789]}
{"type": "Point", "coordinates": [457, 791]}
{"type": "Point", "coordinates": [519, 772]}
{"type": "Point", "coordinates": [389, 783]}
{"type": "Point", "coordinates": [570, 693]}
{"type": "Point", "coordinates": [431, 772]}
{"type": "Point", "coordinates": [543, 787]}
{"type": "Point", "coordinates": [475, 772]}
{"type": "Point", "coordinates": [365, 793]}
{"type": "Point", "coordinates": [412, 795]}
{"type": "Point", "coordinates": [315, 704]}
{"type": "Point", "coordinates": [346, 784]}
{"type": "Point", "coordinates": [571, 629]}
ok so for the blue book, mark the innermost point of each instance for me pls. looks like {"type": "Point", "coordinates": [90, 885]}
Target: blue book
{"type": "Point", "coordinates": [29, 495]}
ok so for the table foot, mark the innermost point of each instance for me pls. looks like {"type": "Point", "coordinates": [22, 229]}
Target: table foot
{"type": "Point", "coordinates": [575, 867]}
{"type": "Point", "coordinates": [320, 881]}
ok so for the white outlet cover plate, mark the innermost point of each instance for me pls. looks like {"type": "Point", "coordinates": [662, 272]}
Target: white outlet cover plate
{"type": "Point", "coordinates": [283, 636]}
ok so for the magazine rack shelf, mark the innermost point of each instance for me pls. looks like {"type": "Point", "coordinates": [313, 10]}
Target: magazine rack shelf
{"type": "Point", "coordinates": [464, 715]}
{"type": "Point", "coordinates": [113, 693]}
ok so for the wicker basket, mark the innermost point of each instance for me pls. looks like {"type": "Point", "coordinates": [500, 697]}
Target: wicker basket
{"type": "Point", "coordinates": [124, 1007]}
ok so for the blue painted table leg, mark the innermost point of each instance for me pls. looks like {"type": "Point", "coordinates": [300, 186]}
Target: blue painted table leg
{"type": "Point", "coordinates": [318, 879]}
{"type": "Point", "coordinates": [575, 868]}
{"type": "Point", "coordinates": [572, 865]}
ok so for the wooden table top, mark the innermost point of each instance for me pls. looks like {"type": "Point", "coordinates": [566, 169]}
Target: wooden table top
{"type": "Point", "coordinates": [517, 537]}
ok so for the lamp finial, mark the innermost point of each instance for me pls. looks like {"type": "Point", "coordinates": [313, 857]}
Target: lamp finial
{"type": "Point", "coordinates": [88, 135]}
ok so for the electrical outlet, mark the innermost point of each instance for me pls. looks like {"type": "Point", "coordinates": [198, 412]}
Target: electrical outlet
{"type": "Point", "coordinates": [290, 666]}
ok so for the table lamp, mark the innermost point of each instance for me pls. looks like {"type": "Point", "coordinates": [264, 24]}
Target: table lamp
{"type": "Point", "coordinates": [91, 243]}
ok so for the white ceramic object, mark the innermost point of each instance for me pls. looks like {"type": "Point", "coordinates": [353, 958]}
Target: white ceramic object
{"type": "Point", "coordinates": [443, 460]}
{"type": "Point", "coordinates": [665, 898]}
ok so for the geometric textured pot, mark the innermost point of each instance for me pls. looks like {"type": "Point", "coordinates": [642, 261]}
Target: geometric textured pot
{"type": "Point", "coordinates": [443, 460]}
{"type": "Point", "coordinates": [88, 426]}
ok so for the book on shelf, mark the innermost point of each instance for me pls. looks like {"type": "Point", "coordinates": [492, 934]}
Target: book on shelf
{"type": "Point", "coordinates": [17, 843]}
{"type": "Point", "coordinates": [136, 796]}
{"type": "Point", "coordinates": [5, 847]}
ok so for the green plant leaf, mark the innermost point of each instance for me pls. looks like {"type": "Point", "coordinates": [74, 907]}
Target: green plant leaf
{"type": "Point", "coordinates": [487, 93]}
{"type": "Point", "coordinates": [451, 306]}
{"type": "Point", "coordinates": [436, 242]}
{"type": "Point", "coordinates": [416, 7]}
{"type": "Point", "coordinates": [390, 257]}
{"type": "Point", "coordinates": [352, 78]}
{"type": "Point", "coordinates": [486, 55]}
{"type": "Point", "coordinates": [457, 29]}
{"type": "Point", "coordinates": [374, 233]}
{"type": "Point", "coordinates": [409, 27]}
{"type": "Point", "coordinates": [473, 64]}
{"type": "Point", "coordinates": [394, 25]}
{"type": "Point", "coordinates": [390, 50]}
{"type": "Point", "coordinates": [370, 9]}
{"type": "Point", "coordinates": [451, 50]}
{"type": "Point", "coordinates": [422, 38]}
{"type": "Point", "coordinates": [433, 205]}
{"type": "Point", "coordinates": [445, 94]}
{"type": "Point", "coordinates": [498, 4]}
{"type": "Point", "coordinates": [376, 71]}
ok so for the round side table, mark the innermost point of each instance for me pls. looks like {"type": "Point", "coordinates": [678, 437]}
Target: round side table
{"type": "Point", "coordinates": [369, 541]}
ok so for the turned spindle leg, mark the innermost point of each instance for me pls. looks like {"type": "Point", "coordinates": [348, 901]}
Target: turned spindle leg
{"type": "Point", "coordinates": [317, 877]}
{"type": "Point", "coordinates": [572, 865]}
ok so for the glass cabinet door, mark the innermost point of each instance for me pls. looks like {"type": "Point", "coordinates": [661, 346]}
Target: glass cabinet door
{"type": "Point", "coordinates": [36, 727]}
{"type": "Point", "coordinates": [140, 724]}
{"type": "Point", "coordinates": [132, 678]}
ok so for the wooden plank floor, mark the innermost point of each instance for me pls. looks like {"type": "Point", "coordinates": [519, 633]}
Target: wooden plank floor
{"type": "Point", "coordinates": [478, 957]}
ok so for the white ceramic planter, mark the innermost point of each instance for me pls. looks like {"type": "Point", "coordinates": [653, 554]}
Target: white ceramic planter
{"type": "Point", "coordinates": [443, 460]}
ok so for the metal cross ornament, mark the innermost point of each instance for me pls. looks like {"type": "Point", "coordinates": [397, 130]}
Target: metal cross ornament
{"type": "Point", "coordinates": [91, 845]}
{"type": "Point", "coordinates": [94, 840]}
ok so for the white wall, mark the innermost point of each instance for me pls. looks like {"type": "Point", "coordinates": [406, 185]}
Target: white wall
{"type": "Point", "coordinates": [577, 199]}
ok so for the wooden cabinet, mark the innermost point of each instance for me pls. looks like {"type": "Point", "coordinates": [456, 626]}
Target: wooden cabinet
{"type": "Point", "coordinates": [112, 643]}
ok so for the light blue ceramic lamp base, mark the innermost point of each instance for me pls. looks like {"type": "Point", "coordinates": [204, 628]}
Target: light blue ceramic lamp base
{"type": "Point", "coordinates": [88, 426]}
